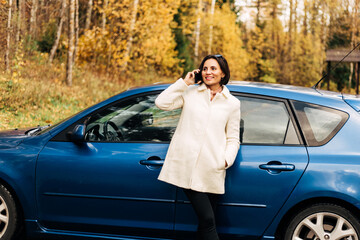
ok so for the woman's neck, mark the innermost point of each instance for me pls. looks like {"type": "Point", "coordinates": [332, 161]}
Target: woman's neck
{"type": "Point", "coordinates": [215, 88]}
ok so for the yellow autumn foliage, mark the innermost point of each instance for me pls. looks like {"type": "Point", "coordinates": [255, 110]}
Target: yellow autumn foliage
{"type": "Point", "coordinates": [226, 40]}
{"type": "Point", "coordinates": [152, 43]}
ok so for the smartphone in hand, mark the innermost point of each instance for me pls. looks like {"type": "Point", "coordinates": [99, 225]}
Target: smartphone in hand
{"type": "Point", "coordinates": [198, 77]}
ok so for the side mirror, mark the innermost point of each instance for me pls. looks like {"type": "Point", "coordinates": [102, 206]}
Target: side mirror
{"type": "Point", "coordinates": [77, 134]}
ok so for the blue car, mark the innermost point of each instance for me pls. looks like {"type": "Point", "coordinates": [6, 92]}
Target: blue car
{"type": "Point", "coordinates": [94, 175]}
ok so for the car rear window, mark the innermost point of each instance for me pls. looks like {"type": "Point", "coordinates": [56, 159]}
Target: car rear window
{"type": "Point", "coordinates": [318, 123]}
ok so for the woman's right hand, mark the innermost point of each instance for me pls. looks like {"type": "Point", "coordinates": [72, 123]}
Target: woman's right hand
{"type": "Point", "coordinates": [190, 77]}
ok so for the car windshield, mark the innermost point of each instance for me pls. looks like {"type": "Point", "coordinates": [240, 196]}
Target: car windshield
{"type": "Point", "coordinates": [45, 129]}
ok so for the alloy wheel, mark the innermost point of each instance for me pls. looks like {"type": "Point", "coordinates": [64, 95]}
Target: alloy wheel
{"type": "Point", "coordinates": [324, 226]}
{"type": "Point", "coordinates": [4, 217]}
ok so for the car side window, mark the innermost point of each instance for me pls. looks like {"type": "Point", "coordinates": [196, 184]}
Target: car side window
{"type": "Point", "coordinates": [133, 120]}
{"type": "Point", "coordinates": [265, 121]}
{"type": "Point", "coordinates": [319, 123]}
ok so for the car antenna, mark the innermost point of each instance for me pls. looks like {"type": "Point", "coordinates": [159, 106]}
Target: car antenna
{"type": "Point", "coordinates": [327, 73]}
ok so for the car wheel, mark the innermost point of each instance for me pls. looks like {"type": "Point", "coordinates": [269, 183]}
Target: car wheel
{"type": "Point", "coordinates": [323, 222]}
{"type": "Point", "coordinates": [9, 217]}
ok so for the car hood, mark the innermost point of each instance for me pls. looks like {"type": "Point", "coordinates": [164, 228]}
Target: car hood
{"type": "Point", "coordinates": [12, 138]}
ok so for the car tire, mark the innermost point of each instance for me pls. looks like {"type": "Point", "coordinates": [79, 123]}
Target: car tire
{"type": "Point", "coordinates": [9, 217]}
{"type": "Point", "coordinates": [323, 221]}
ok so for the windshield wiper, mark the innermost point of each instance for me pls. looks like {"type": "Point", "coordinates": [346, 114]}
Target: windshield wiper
{"type": "Point", "coordinates": [35, 131]}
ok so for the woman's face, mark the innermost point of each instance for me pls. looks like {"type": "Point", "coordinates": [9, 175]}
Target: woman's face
{"type": "Point", "coordinates": [212, 73]}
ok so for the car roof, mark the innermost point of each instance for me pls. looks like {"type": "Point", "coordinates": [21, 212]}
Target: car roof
{"type": "Point", "coordinates": [267, 89]}
{"type": "Point", "coordinates": [282, 90]}
{"type": "Point", "coordinates": [305, 94]}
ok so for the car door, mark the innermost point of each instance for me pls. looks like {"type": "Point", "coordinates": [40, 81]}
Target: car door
{"type": "Point", "coordinates": [108, 184]}
{"type": "Point", "coordinates": [270, 162]}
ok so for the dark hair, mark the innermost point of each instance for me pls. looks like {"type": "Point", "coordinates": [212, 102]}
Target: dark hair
{"type": "Point", "coordinates": [223, 65]}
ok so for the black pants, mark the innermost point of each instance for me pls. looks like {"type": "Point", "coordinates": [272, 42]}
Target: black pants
{"type": "Point", "coordinates": [204, 205]}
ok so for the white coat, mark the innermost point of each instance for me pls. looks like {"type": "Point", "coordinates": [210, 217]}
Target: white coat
{"type": "Point", "coordinates": [206, 136]}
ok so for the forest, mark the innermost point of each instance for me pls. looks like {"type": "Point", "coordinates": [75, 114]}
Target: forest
{"type": "Point", "coordinates": [60, 56]}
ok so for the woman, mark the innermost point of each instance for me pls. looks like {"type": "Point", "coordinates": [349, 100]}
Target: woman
{"type": "Point", "coordinates": [206, 139]}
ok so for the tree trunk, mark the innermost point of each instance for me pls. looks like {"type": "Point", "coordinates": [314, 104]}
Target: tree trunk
{"type": "Point", "coordinates": [18, 25]}
{"type": "Point", "coordinates": [34, 7]}
{"type": "Point", "coordinates": [7, 52]}
{"type": "Point", "coordinates": [88, 15]}
{"type": "Point", "coordinates": [58, 34]}
{"type": "Point", "coordinates": [76, 29]}
{"type": "Point", "coordinates": [323, 24]}
{"type": "Point", "coordinates": [357, 77]}
{"type": "Point", "coordinates": [69, 66]}
{"type": "Point", "coordinates": [104, 15]}
{"type": "Point", "coordinates": [212, 11]}
{"type": "Point", "coordinates": [351, 73]}
{"type": "Point", "coordinates": [274, 17]}
{"type": "Point", "coordinates": [291, 23]}
{"type": "Point", "coordinates": [353, 37]}
{"type": "Point", "coordinates": [295, 22]}
{"type": "Point", "coordinates": [258, 9]}
{"type": "Point", "coordinates": [305, 30]}
{"type": "Point", "coordinates": [130, 36]}
{"type": "Point", "coordinates": [357, 33]}
{"type": "Point", "coordinates": [290, 42]}
{"type": "Point", "coordinates": [274, 31]}
{"type": "Point", "coordinates": [197, 31]}
{"type": "Point", "coordinates": [355, 29]}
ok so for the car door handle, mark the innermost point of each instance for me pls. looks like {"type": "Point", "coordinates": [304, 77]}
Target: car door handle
{"type": "Point", "coordinates": [152, 162]}
{"type": "Point", "coordinates": [275, 166]}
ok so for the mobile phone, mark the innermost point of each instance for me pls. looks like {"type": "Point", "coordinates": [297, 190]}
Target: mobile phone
{"type": "Point", "coordinates": [198, 77]}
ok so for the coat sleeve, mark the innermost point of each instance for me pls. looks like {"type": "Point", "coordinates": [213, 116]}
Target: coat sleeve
{"type": "Point", "coordinates": [232, 136]}
{"type": "Point", "coordinates": [172, 97]}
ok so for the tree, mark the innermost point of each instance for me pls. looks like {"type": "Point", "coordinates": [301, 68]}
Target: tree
{"type": "Point", "coordinates": [276, 27]}
{"type": "Point", "coordinates": [187, 33]}
{"type": "Point", "coordinates": [292, 30]}
{"type": "Point", "coordinates": [105, 8]}
{"type": "Point", "coordinates": [58, 33]}
{"type": "Point", "coordinates": [88, 14]}
{"type": "Point", "coordinates": [152, 45]}
{"type": "Point", "coordinates": [7, 53]}
{"type": "Point", "coordinates": [339, 36]}
{"type": "Point", "coordinates": [354, 37]}
{"type": "Point", "coordinates": [147, 53]}
{"type": "Point", "coordinates": [20, 6]}
{"type": "Point", "coordinates": [130, 34]}
{"type": "Point", "coordinates": [274, 47]}
{"type": "Point", "coordinates": [197, 30]}
{"type": "Point", "coordinates": [76, 29]}
{"type": "Point", "coordinates": [211, 27]}
{"type": "Point", "coordinates": [71, 34]}
{"type": "Point", "coordinates": [33, 22]}
{"type": "Point", "coordinates": [226, 41]}
{"type": "Point", "coordinates": [255, 48]}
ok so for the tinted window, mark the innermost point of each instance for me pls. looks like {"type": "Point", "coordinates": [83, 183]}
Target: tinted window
{"type": "Point", "coordinates": [319, 123]}
{"type": "Point", "coordinates": [137, 119]}
{"type": "Point", "coordinates": [266, 121]}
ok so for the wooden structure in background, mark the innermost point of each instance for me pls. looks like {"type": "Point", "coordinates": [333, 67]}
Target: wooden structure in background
{"type": "Point", "coordinates": [333, 55]}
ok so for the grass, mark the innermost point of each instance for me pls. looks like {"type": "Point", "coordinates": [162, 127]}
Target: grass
{"type": "Point", "coordinates": [34, 92]}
